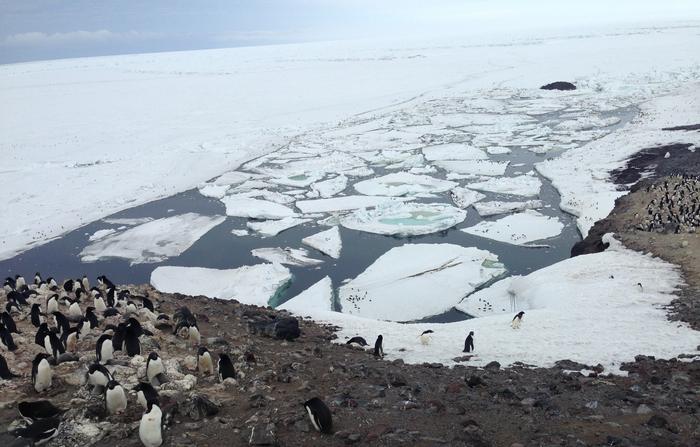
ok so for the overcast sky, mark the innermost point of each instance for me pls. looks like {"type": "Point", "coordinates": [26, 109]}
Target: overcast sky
{"type": "Point", "coordinates": [49, 29]}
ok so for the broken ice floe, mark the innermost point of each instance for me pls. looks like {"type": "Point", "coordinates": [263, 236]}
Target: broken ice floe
{"type": "Point", "coordinates": [99, 234]}
{"type": "Point", "coordinates": [258, 284]}
{"type": "Point", "coordinates": [463, 197]}
{"type": "Point", "coordinates": [297, 257]}
{"type": "Point", "coordinates": [404, 219]}
{"type": "Point", "coordinates": [317, 297]}
{"type": "Point", "coordinates": [414, 281]}
{"type": "Point", "coordinates": [331, 187]}
{"type": "Point", "coordinates": [453, 151]}
{"type": "Point", "coordinates": [518, 229]}
{"type": "Point", "coordinates": [486, 209]}
{"type": "Point", "coordinates": [327, 242]}
{"type": "Point", "coordinates": [239, 206]}
{"type": "Point", "coordinates": [345, 203]}
{"type": "Point", "coordinates": [239, 232]}
{"type": "Point", "coordinates": [153, 241]}
{"type": "Point", "coordinates": [402, 184]}
{"type": "Point", "coordinates": [523, 185]}
{"type": "Point", "coordinates": [268, 228]}
{"type": "Point", "coordinates": [475, 167]}
{"type": "Point", "coordinates": [127, 220]}
{"type": "Point", "coordinates": [498, 150]}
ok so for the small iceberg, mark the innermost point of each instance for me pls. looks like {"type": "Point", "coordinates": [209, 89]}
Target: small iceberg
{"type": "Point", "coordinates": [463, 197]}
{"type": "Point", "coordinates": [318, 297]}
{"type": "Point", "coordinates": [345, 203]}
{"type": "Point", "coordinates": [239, 206]}
{"type": "Point", "coordinates": [475, 167]}
{"type": "Point", "coordinates": [527, 185]}
{"type": "Point", "coordinates": [327, 242]}
{"type": "Point", "coordinates": [453, 151]}
{"type": "Point", "coordinates": [518, 229]}
{"type": "Point", "coordinates": [297, 257]}
{"type": "Point", "coordinates": [405, 219]}
{"type": "Point", "coordinates": [268, 228]}
{"type": "Point", "coordinates": [403, 184]}
{"type": "Point", "coordinates": [494, 208]}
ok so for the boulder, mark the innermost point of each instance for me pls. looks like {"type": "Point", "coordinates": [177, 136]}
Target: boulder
{"type": "Point", "coordinates": [559, 85]}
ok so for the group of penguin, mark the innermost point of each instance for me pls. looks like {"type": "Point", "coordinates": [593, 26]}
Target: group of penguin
{"type": "Point", "coordinates": [675, 206]}
{"type": "Point", "coordinates": [58, 338]}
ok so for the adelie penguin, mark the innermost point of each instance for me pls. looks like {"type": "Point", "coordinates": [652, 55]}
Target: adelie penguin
{"type": "Point", "coordinates": [145, 394]}
{"type": "Point", "coordinates": [151, 426]}
{"type": "Point", "coordinates": [517, 320]}
{"type": "Point", "coordinates": [39, 432]}
{"type": "Point", "coordinates": [357, 340]}
{"type": "Point", "coordinates": [52, 304]}
{"type": "Point", "coordinates": [9, 323]}
{"type": "Point", "coordinates": [205, 364]}
{"type": "Point", "coordinates": [38, 410]}
{"type": "Point", "coordinates": [225, 368]}
{"type": "Point", "coordinates": [35, 315]}
{"type": "Point", "coordinates": [98, 377]}
{"type": "Point", "coordinates": [155, 371]}
{"type": "Point", "coordinates": [320, 415]}
{"type": "Point", "coordinates": [5, 372]}
{"type": "Point", "coordinates": [425, 337]}
{"type": "Point", "coordinates": [115, 398]}
{"type": "Point", "coordinates": [103, 348]}
{"type": "Point", "coordinates": [469, 342]}
{"type": "Point", "coordinates": [6, 340]}
{"type": "Point", "coordinates": [379, 347]}
{"type": "Point", "coordinates": [41, 373]}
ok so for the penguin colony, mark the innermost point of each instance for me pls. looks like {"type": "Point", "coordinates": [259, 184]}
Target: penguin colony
{"type": "Point", "coordinates": [65, 314]}
{"type": "Point", "coordinates": [674, 207]}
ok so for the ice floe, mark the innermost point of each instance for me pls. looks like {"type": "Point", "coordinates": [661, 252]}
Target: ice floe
{"type": "Point", "coordinates": [453, 152]}
{"type": "Point", "coordinates": [153, 241]}
{"type": "Point", "coordinates": [127, 220]}
{"type": "Point", "coordinates": [99, 234]}
{"type": "Point", "coordinates": [519, 228]}
{"type": "Point", "coordinates": [269, 228]}
{"type": "Point", "coordinates": [327, 242]}
{"type": "Point", "coordinates": [498, 150]}
{"type": "Point", "coordinates": [414, 281]}
{"type": "Point", "coordinates": [486, 209]}
{"type": "Point", "coordinates": [475, 167]}
{"type": "Point", "coordinates": [463, 197]}
{"type": "Point", "coordinates": [402, 184]}
{"type": "Point", "coordinates": [317, 297]}
{"type": "Point", "coordinates": [404, 219]}
{"type": "Point", "coordinates": [521, 185]}
{"type": "Point", "coordinates": [331, 187]}
{"type": "Point", "coordinates": [251, 284]}
{"type": "Point", "coordinates": [297, 257]}
{"type": "Point", "coordinates": [344, 203]}
{"type": "Point", "coordinates": [239, 206]}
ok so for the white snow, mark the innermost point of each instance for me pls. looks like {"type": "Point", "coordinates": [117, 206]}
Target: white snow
{"type": "Point", "coordinates": [402, 184]}
{"type": "Point", "coordinates": [250, 284]}
{"type": "Point", "coordinates": [318, 297]}
{"type": "Point", "coordinates": [404, 219]}
{"type": "Point", "coordinates": [298, 257]}
{"type": "Point", "coordinates": [331, 187]}
{"type": "Point", "coordinates": [153, 241]}
{"type": "Point", "coordinates": [269, 228]}
{"type": "Point", "coordinates": [99, 234]}
{"type": "Point", "coordinates": [486, 209]}
{"type": "Point", "coordinates": [327, 242]}
{"type": "Point", "coordinates": [522, 185]}
{"type": "Point", "coordinates": [463, 197]}
{"type": "Point", "coordinates": [519, 228]}
{"type": "Point", "coordinates": [414, 281]}
{"type": "Point", "coordinates": [453, 152]}
{"type": "Point", "coordinates": [239, 206]}
{"type": "Point", "coordinates": [345, 203]}
{"type": "Point", "coordinates": [476, 167]}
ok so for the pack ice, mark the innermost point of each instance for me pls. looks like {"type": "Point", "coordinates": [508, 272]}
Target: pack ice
{"type": "Point", "coordinates": [518, 229]}
{"type": "Point", "coordinates": [404, 219]}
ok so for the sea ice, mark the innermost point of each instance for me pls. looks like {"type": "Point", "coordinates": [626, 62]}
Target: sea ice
{"type": "Point", "coordinates": [486, 209]}
{"type": "Point", "coordinates": [522, 185]}
{"type": "Point", "coordinates": [327, 242]}
{"type": "Point", "coordinates": [331, 187]}
{"type": "Point", "coordinates": [498, 150]}
{"type": "Point", "coordinates": [476, 167]}
{"type": "Point", "coordinates": [99, 234]}
{"type": "Point", "coordinates": [297, 257]}
{"type": "Point", "coordinates": [269, 228]}
{"type": "Point", "coordinates": [239, 206]}
{"type": "Point", "coordinates": [463, 197]}
{"type": "Point", "coordinates": [251, 284]}
{"type": "Point", "coordinates": [402, 184]}
{"type": "Point", "coordinates": [414, 281]}
{"type": "Point", "coordinates": [317, 297]}
{"type": "Point", "coordinates": [153, 241]}
{"type": "Point", "coordinates": [404, 219]}
{"type": "Point", "coordinates": [518, 229]}
{"type": "Point", "coordinates": [344, 203]}
{"type": "Point", "coordinates": [453, 151]}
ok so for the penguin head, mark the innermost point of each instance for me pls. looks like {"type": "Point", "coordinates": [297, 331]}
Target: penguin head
{"type": "Point", "coordinates": [471, 333]}
{"type": "Point", "coordinates": [112, 384]}
{"type": "Point", "coordinates": [153, 356]}
{"type": "Point", "coordinates": [201, 351]}
{"type": "Point", "coordinates": [40, 357]}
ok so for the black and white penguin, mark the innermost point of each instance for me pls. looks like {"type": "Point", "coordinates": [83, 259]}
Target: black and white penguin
{"type": "Point", "coordinates": [104, 282]}
{"type": "Point", "coordinates": [103, 348]}
{"type": "Point", "coordinates": [154, 368]}
{"type": "Point", "coordinates": [130, 308]}
{"type": "Point", "coordinates": [225, 368]}
{"type": "Point", "coordinates": [53, 345]}
{"type": "Point", "coordinates": [35, 315]}
{"type": "Point", "coordinates": [41, 373]}
{"type": "Point", "coordinates": [115, 397]}
{"type": "Point", "coordinates": [38, 410]}
{"type": "Point", "coordinates": [131, 340]}
{"type": "Point", "coordinates": [19, 282]}
{"type": "Point", "coordinates": [379, 347]}
{"type": "Point", "coordinates": [151, 426]}
{"type": "Point", "coordinates": [85, 283]}
{"type": "Point", "coordinates": [37, 279]}
{"type": "Point", "coordinates": [75, 313]}
{"type": "Point", "coordinates": [319, 414]}
{"type": "Point", "coordinates": [98, 377]}
{"type": "Point", "coordinates": [98, 302]}
{"type": "Point", "coordinates": [205, 365]}
{"type": "Point", "coordinates": [145, 394]}
{"type": "Point", "coordinates": [73, 337]}
{"type": "Point", "coordinates": [118, 337]}
{"type": "Point", "coordinates": [9, 284]}
{"type": "Point", "coordinates": [5, 372]}
{"type": "Point", "coordinates": [61, 322]}
{"type": "Point", "coordinates": [425, 337]}
{"type": "Point", "coordinates": [357, 340]}
{"type": "Point", "coordinates": [183, 318]}
{"type": "Point", "coordinates": [52, 304]}
{"type": "Point", "coordinates": [6, 340]}
{"type": "Point", "coordinates": [39, 432]}
{"type": "Point", "coordinates": [469, 342]}
{"type": "Point", "coordinates": [68, 285]}
{"type": "Point", "coordinates": [9, 323]}
{"type": "Point", "coordinates": [91, 318]}
{"type": "Point", "coordinates": [517, 320]}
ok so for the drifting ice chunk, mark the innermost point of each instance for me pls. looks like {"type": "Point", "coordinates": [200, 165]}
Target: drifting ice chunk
{"type": "Point", "coordinates": [237, 232]}
{"type": "Point", "coordinates": [329, 188]}
{"type": "Point", "coordinates": [153, 241]}
{"type": "Point", "coordinates": [402, 184]}
{"type": "Point", "coordinates": [453, 151]}
{"type": "Point", "coordinates": [405, 219]}
{"type": "Point", "coordinates": [477, 167]}
{"type": "Point", "coordinates": [289, 256]}
{"type": "Point", "coordinates": [315, 298]}
{"type": "Point", "coordinates": [99, 234]}
{"type": "Point", "coordinates": [494, 208]}
{"type": "Point", "coordinates": [271, 196]}
{"type": "Point", "coordinates": [463, 197]}
{"type": "Point", "coordinates": [327, 242]}
{"type": "Point", "coordinates": [345, 203]}
{"type": "Point", "coordinates": [231, 178]}
{"type": "Point", "coordinates": [274, 227]}
{"type": "Point", "coordinates": [212, 190]}
{"type": "Point", "coordinates": [128, 221]}
{"type": "Point", "coordinates": [298, 180]}
{"type": "Point", "coordinates": [518, 229]}
{"type": "Point", "coordinates": [239, 206]}
{"type": "Point", "coordinates": [498, 150]}
{"type": "Point", "coordinates": [418, 280]}
{"type": "Point", "coordinates": [523, 185]}
{"type": "Point", "coordinates": [251, 284]}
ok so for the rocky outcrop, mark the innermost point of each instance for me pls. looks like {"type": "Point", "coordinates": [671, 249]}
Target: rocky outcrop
{"type": "Point", "coordinates": [559, 85]}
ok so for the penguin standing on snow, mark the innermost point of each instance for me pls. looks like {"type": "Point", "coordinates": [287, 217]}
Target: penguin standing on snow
{"type": "Point", "coordinates": [379, 347]}
{"type": "Point", "coordinates": [5, 372]}
{"type": "Point", "coordinates": [225, 368]}
{"type": "Point", "coordinates": [517, 320]}
{"type": "Point", "coordinates": [425, 337]}
{"type": "Point", "coordinates": [151, 426]}
{"type": "Point", "coordinates": [103, 348]}
{"type": "Point", "coordinates": [205, 365]}
{"type": "Point", "coordinates": [469, 342]}
{"type": "Point", "coordinates": [319, 414]}
{"type": "Point", "coordinates": [155, 371]}
{"type": "Point", "coordinates": [357, 340]}
{"type": "Point", "coordinates": [115, 397]}
{"type": "Point", "coordinates": [41, 373]}
{"type": "Point", "coordinates": [145, 394]}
